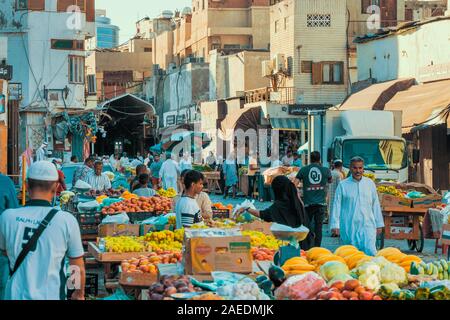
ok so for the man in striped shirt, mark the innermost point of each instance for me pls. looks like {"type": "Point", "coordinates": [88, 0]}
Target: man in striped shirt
{"type": "Point", "coordinates": [98, 180]}
{"type": "Point", "coordinates": [187, 209]}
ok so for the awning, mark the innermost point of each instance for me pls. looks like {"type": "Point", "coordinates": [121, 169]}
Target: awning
{"type": "Point", "coordinates": [287, 124]}
{"type": "Point", "coordinates": [423, 105]}
{"type": "Point", "coordinates": [128, 104]}
{"type": "Point", "coordinates": [377, 95]}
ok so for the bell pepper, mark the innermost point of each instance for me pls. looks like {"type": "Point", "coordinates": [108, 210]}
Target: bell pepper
{"type": "Point", "coordinates": [422, 294]}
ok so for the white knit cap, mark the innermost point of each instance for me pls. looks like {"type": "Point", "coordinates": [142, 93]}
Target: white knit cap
{"type": "Point", "coordinates": [43, 171]}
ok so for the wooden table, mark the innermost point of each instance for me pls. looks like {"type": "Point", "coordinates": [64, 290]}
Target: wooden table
{"type": "Point", "coordinates": [403, 223]}
{"type": "Point", "coordinates": [212, 179]}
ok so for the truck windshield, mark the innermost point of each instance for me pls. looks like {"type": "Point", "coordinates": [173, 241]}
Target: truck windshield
{"type": "Point", "coordinates": [377, 154]}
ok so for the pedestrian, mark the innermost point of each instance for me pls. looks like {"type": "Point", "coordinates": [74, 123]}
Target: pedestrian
{"type": "Point", "coordinates": [51, 235]}
{"type": "Point", "coordinates": [297, 161]}
{"type": "Point", "coordinates": [169, 173]}
{"type": "Point", "coordinates": [288, 159]}
{"type": "Point", "coordinates": [186, 162]}
{"type": "Point", "coordinates": [142, 189]}
{"type": "Point", "coordinates": [356, 215]}
{"type": "Point", "coordinates": [211, 160]}
{"type": "Point", "coordinates": [187, 209]}
{"type": "Point", "coordinates": [61, 179]}
{"type": "Point", "coordinates": [115, 162]}
{"type": "Point", "coordinates": [98, 180]}
{"type": "Point", "coordinates": [8, 200]}
{"type": "Point", "coordinates": [149, 160]}
{"type": "Point", "coordinates": [73, 159]}
{"type": "Point", "coordinates": [139, 157]}
{"type": "Point", "coordinates": [83, 171]}
{"type": "Point", "coordinates": [287, 208]}
{"type": "Point", "coordinates": [252, 174]}
{"type": "Point", "coordinates": [124, 161]}
{"type": "Point", "coordinates": [41, 152]}
{"type": "Point", "coordinates": [155, 168]}
{"type": "Point", "coordinates": [230, 174]}
{"type": "Point", "coordinates": [315, 178]}
{"type": "Point", "coordinates": [337, 175]}
{"type": "Point", "coordinates": [140, 169]}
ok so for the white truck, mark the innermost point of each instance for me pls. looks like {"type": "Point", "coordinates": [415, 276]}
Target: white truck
{"type": "Point", "coordinates": [376, 136]}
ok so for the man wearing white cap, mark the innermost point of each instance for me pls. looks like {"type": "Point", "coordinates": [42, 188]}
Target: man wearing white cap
{"type": "Point", "coordinates": [37, 239]}
{"type": "Point", "coordinates": [41, 152]}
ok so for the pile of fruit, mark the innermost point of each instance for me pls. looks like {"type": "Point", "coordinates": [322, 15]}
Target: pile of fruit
{"type": "Point", "coordinates": [220, 206]}
{"type": "Point", "coordinates": [172, 220]}
{"type": "Point", "coordinates": [170, 285]}
{"type": "Point", "coordinates": [66, 196]}
{"type": "Point", "coordinates": [391, 190]}
{"type": "Point", "coordinates": [128, 195]}
{"type": "Point", "coordinates": [371, 176]}
{"type": "Point", "coordinates": [207, 297]}
{"type": "Point", "coordinates": [169, 193]}
{"type": "Point", "coordinates": [157, 205]}
{"type": "Point", "coordinates": [222, 223]}
{"type": "Point", "coordinates": [349, 290]}
{"type": "Point", "coordinates": [148, 264]}
{"type": "Point", "coordinates": [348, 255]}
{"type": "Point", "coordinates": [260, 240]}
{"type": "Point", "coordinates": [394, 255]}
{"type": "Point", "coordinates": [439, 269]}
{"type": "Point", "coordinates": [263, 254]}
{"type": "Point", "coordinates": [165, 240]}
{"type": "Point", "coordinates": [107, 193]}
{"type": "Point", "coordinates": [125, 244]}
{"type": "Point", "coordinates": [297, 266]}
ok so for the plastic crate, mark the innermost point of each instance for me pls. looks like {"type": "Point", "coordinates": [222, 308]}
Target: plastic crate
{"type": "Point", "coordinates": [91, 287]}
{"type": "Point", "coordinates": [88, 221]}
{"type": "Point", "coordinates": [140, 216]}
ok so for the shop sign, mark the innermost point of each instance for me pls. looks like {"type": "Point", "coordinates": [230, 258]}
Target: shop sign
{"type": "Point", "coordinates": [14, 91]}
{"type": "Point", "coordinates": [170, 120]}
{"type": "Point", "coordinates": [6, 72]}
{"type": "Point", "coordinates": [302, 109]}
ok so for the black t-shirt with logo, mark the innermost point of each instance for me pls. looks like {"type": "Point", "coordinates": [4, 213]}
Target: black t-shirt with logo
{"type": "Point", "coordinates": [315, 179]}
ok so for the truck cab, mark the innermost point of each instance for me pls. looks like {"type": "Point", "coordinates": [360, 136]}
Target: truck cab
{"type": "Point", "coordinates": [373, 135]}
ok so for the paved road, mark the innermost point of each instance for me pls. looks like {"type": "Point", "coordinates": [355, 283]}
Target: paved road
{"type": "Point", "coordinates": [332, 243]}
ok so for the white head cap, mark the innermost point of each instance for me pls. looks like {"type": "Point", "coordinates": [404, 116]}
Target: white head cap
{"type": "Point", "coordinates": [43, 171]}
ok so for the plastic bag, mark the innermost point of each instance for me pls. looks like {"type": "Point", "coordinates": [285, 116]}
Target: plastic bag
{"type": "Point", "coordinates": [237, 287]}
{"type": "Point", "coordinates": [286, 233]}
{"type": "Point", "coordinates": [81, 185]}
{"type": "Point", "coordinates": [301, 287]}
{"type": "Point", "coordinates": [247, 204]}
{"type": "Point", "coordinates": [414, 195]}
{"type": "Point", "coordinates": [88, 206]}
{"type": "Point", "coordinates": [121, 218]}
{"type": "Point", "coordinates": [109, 201]}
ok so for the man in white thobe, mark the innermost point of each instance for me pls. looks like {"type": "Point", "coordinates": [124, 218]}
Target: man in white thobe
{"type": "Point", "coordinates": [41, 152]}
{"type": "Point", "coordinates": [98, 180]}
{"type": "Point", "coordinates": [169, 173]}
{"type": "Point", "coordinates": [356, 214]}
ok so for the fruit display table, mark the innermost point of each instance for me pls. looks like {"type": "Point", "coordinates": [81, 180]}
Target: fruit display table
{"type": "Point", "coordinates": [402, 223]}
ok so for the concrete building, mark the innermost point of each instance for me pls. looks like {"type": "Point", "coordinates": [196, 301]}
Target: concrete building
{"type": "Point", "coordinates": [46, 48]}
{"type": "Point", "coordinates": [3, 106]}
{"type": "Point", "coordinates": [233, 73]}
{"type": "Point", "coordinates": [423, 9]}
{"type": "Point", "coordinates": [420, 50]}
{"type": "Point", "coordinates": [107, 34]}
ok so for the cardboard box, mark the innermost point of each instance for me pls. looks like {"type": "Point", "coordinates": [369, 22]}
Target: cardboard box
{"type": "Point", "coordinates": [221, 213]}
{"type": "Point", "coordinates": [399, 230]}
{"type": "Point", "coordinates": [430, 201]}
{"type": "Point", "coordinates": [142, 280]}
{"type": "Point", "coordinates": [204, 255]}
{"type": "Point", "coordinates": [117, 230]}
{"type": "Point", "coordinates": [387, 200]}
{"type": "Point", "coordinates": [446, 234]}
{"type": "Point", "coordinates": [259, 226]}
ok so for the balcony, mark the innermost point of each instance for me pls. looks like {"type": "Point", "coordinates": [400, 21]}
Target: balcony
{"type": "Point", "coordinates": [284, 95]}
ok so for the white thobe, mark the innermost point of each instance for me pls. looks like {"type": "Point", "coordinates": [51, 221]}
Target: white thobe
{"type": "Point", "coordinates": [169, 174]}
{"type": "Point", "coordinates": [40, 154]}
{"type": "Point", "coordinates": [357, 214]}
{"type": "Point", "coordinates": [100, 182]}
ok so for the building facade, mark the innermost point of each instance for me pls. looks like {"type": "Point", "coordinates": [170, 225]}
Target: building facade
{"type": "Point", "coordinates": [107, 34]}
{"type": "Point", "coordinates": [46, 47]}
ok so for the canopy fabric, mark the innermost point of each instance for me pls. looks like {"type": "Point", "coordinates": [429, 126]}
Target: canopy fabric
{"type": "Point", "coordinates": [426, 104]}
{"type": "Point", "coordinates": [304, 148]}
{"type": "Point", "coordinates": [287, 124]}
{"type": "Point", "coordinates": [377, 95]}
{"type": "Point", "coordinates": [156, 148]}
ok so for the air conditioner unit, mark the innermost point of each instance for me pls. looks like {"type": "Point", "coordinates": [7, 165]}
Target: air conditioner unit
{"type": "Point", "coordinates": [267, 68]}
{"type": "Point", "coordinates": [280, 62]}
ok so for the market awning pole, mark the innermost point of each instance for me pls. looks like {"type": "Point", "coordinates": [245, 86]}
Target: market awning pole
{"type": "Point", "coordinates": [24, 187]}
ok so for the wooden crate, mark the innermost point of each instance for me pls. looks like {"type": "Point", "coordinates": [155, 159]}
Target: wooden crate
{"type": "Point", "coordinates": [141, 280]}
{"type": "Point", "coordinates": [402, 232]}
{"type": "Point", "coordinates": [112, 257]}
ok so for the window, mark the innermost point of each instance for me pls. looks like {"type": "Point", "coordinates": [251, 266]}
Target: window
{"type": "Point", "coordinates": [318, 20]}
{"type": "Point", "coordinates": [286, 23]}
{"type": "Point", "coordinates": [203, 4]}
{"type": "Point", "coordinates": [35, 5]}
{"type": "Point", "coordinates": [147, 49]}
{"type": "Point", "coordinates": [327, 73]}
{"type": "Point", "coordinates": [60, 44]}
{"type": "Point", "coordinates": [92, 86]}
{"type": "Point", "coordinates": [231, 46]}
{"type": "Point", "coordinates": [277, 26]}
{"type": "Point", "coordinates": [306, 66]}
{"type": "Point", "coordinates": [76, 69]}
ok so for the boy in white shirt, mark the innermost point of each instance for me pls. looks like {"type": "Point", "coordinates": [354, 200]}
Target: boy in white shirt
{"type": "Point", "coordinates": [187, 209]}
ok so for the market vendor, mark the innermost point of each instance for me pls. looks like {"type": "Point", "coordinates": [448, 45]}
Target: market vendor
{"type": "Point", "coordinates": [81, 173]}
{"type": "Point", "coordinates": [99, 181]}
{"type": "Point", "coordinates": [297, 161]}
{"type": "Point", "coordinates": [187, 210]}
{"type": "Point", "coordinates": [155, 167]}
{"type": "Point", "coordinates": [288, 209]}
{"type": "Point", "coordinates": [356, 214]}
{"type": "Point", "coordinates": [142, 189]}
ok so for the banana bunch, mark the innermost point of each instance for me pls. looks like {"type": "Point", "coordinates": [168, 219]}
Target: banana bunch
{"type": "Point", "coordinates": [390, 190]}
{"type": "Point", "coordinates": [370, 176]}
{"type": "Point", "coordinates": [66, 196]}
{"type": "Point", "coordinates": [296, 266]}
{"type": "Point", "coordinates": [169, 193]}
{"type": "Point", "coordinates": [439, 269]}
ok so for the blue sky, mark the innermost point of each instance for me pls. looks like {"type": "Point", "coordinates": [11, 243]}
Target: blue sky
{"type": "Point", "coordinates": [125, 13]}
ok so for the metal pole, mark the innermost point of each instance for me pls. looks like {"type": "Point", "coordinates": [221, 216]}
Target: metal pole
{"type": "Point", "coordinates": [24, 187]}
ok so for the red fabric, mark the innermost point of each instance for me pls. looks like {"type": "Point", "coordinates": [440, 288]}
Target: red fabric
{"type": "Point", "coordinates": [61, 183]}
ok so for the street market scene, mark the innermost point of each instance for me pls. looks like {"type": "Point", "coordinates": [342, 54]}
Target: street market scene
{"type": "Point", "coordinates": [228, 150]}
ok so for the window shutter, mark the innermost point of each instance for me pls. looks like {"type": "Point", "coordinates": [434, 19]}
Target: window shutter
{"type": "Point", "coordinates": [36, 5]}
{"type": "Point", "coordinates": [341, 65]}
{"type": "Point", "coordinates": [306, 66]}
{"type": "Point", "coordinates": [64, 4]}
{"type": "Point", "coordinates": [90, 10]}
{"type": "Point", "coordinates": [317, 73]}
